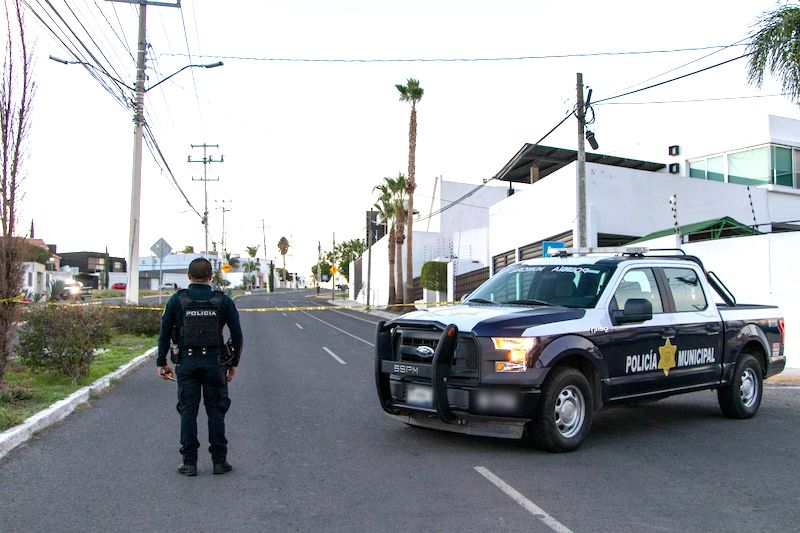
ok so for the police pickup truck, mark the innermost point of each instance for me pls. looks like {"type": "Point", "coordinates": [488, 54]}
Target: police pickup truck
{"type": "Point", "coordinates": [544, 343]}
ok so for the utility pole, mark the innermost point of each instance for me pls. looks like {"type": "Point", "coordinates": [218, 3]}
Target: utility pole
{"type": "Point", "coordinates": [369, 250]}
{"type": "Point", "coordinates": [333, 275]}
{"type": "Point", "coordinates": [224, 210]}
{"type": "Point", "coordinates": [132, 287]}
{"type": "Point", "coordinates": [319, 265]}
{"type": "Point", "coordinates": [206, 160]}
{"type": "Point", "coordinates": [581, 230]}
{"type": "Point", "coordinates": [264, 240]}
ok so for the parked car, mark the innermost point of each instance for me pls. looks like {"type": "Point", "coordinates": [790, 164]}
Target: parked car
{"type": "Point", "coordinates": [120, 286]}
{"type": "Point", "coordinates": [169, 287]}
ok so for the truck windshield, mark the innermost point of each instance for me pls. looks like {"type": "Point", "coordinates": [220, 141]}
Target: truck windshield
{"type": "Point", "coordinates": [560, 285]}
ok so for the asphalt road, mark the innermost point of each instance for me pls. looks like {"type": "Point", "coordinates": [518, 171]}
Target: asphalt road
{"type": "Point", "coordinates": [312, 451]}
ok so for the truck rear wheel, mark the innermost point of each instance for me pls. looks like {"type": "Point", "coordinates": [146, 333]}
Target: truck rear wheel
{"type": "Point", "coordinates": [564, 415]}
{"type": "Point", "coordinates": [741, 397]}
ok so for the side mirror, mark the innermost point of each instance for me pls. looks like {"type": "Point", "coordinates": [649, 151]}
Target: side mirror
{"type": "Point", "coordinates": [636, 310]}
{"type": "Point", "coordinates": [463, 297]}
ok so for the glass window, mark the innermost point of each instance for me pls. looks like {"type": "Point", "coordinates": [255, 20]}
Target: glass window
{"type": "Point", "coordinates": [782, 165]}
{"type": "Point", "coordinates": [716, 172]}
{"type": "Point", "coordinates": [531, 284]}
{"type": "Point", "coordinates": [638, 283]}
{"type": "Point", "coordinates": [797, 168]}
{"type": "Point", "coordinates": [687, 292]}
{"type": "Point", "coordinates": [697, 169]}
{"type": "Point", "coordinates": [750, 167]}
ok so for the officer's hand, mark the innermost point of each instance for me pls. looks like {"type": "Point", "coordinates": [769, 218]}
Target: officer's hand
{"type": "Point", "coordinates": [165, 372]}
{"type": "Point", "coordinates": [231, 373]}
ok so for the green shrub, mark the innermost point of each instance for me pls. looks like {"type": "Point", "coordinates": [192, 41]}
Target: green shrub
{"type": "Point", "coordinates": [134, 320]}
{"type": "Point", "coordinates": [62, 340]}
{"type": "Point", "coordinates": [434, 276]}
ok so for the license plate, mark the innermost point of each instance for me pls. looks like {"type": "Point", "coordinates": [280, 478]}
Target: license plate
{"type": "Point", "coordinates": [419, 395]}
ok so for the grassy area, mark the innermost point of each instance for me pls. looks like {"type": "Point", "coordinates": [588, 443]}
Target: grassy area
{"type": "Point", "coordinates": [115, 293]}
{"type": "Point", "coordinates": [35, 391]}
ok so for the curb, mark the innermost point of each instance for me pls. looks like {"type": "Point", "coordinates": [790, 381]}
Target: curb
{"type": "Point", "coordinates": [13, 437]}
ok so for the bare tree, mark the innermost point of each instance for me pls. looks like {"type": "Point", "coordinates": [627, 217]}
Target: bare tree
{"type": "Point", "coordinates": [16, 94]}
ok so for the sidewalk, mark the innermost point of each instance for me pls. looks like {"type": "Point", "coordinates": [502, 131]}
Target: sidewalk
{"type": "Point", "coordinates": [789, 377]}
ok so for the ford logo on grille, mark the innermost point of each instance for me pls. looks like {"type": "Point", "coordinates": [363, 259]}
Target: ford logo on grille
{"type": "Point", "coordinates": [425, 351]}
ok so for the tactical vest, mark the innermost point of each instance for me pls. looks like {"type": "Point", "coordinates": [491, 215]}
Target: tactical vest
{"type": "Point", "coordinates": [200, 321]}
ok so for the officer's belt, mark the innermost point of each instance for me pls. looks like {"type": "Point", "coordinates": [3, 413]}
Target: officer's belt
{"type": "Point", "coordinates": [200, 352]}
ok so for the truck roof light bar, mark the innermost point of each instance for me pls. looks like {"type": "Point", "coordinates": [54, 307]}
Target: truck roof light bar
{"type": "Point", "coordinates": [630, 250]}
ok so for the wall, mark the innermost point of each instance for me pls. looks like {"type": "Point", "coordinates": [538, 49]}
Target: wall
{"type": "Point", "coordinates": [759, 269]}
{"type": "Point", "coordinates": [625, 201]}
{"type": "Point", "coordinates": [544, 209]}
{"type": "Point", "coordinates": [471, 250]}
{"type": "Point", "coordinates": [630, 202]}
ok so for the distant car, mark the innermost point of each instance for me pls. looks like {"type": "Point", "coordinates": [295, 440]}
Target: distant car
{"type": "Point", "coordinates": [121, 286]}
{"type": "Point", "coordinates": [73, 290]}
{"type": "Point", "coordinates": [169, 287]}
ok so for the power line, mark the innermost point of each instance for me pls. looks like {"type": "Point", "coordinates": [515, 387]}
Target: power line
{"type": "Point", "coordinates": [482, 185]}
{"type": "Point", "coordinates": [696, 100]}
{"type": "Point", "coordinates": [194, 82]}
{"type": "Point", "coordinates": [65, 40]}
{"type": "Point", "coordinates": [671, 79]}
{"type": "Point", "coordinates": [737, 43]}
{"type": "Point", "coordinates": [122, 40]}
{"type": "Point", "coordinates": [457, 59]}
{"type": "Point", "coordinates": [159, 155]}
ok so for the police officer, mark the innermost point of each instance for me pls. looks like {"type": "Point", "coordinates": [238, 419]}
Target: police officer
{"type": "Point", "coordinates": [193, 320]}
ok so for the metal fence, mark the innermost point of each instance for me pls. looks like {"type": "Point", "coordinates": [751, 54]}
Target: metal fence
{"type": "Point", "coordinates": [466, 283]}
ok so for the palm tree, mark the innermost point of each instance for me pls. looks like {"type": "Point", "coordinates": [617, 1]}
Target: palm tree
{"type": "Point", "coordinates": [188, 249]}
{"type": "Point", "coordinates": [386, 211]}
{"type": "Point", "coordinates": [251, 252]}
{"type": "Point", "coordinates": [411, 92]}
{"type": "Point", "coordinates": [283, 247]}
{"type": "Point", "coordinates": [398, 188]}
{"type": "Point", "coordinates": [775, 47]}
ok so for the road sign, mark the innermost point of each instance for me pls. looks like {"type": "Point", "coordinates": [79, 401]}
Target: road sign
{"type": "Point", "coordinates": [226, 267]}
{"type": "Point", "coordinates": [161, 248]}
{"type": "Point", "coordinates": [334, 269]}
{"type": "Point", "coordinates": [551, 245]}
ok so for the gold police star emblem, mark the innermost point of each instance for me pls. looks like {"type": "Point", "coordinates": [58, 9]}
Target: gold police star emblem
{"type": "Point", "coordinates": [666, 357]}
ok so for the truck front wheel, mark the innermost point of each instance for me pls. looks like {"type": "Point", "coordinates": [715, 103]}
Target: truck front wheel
{"type": "Point", "coordinates": [564, 415]}
{"type": "Point", "coordinates": [742, 396]}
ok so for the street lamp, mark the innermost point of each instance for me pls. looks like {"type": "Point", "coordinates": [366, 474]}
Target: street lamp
{"type": "Point", "coordinates": [132, 289]}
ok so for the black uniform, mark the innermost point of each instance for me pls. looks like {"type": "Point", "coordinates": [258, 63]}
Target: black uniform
{"type": "Point", "coordinates": [195, 318]}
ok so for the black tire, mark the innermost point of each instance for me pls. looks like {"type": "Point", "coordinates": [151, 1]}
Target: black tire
{"type": "Point", "coordinates": [741, 397]}
{"type": "Point", "coordinates": [564, 414]}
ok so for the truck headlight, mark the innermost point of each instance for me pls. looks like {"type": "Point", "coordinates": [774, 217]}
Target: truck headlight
{"type": "Point", "coordinates": [518, 349]}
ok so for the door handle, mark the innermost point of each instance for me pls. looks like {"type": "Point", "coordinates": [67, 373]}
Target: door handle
{"type": "Point", "coordinates": [668, 333]}
{"type": "Point", "coordinates": [713, 329]}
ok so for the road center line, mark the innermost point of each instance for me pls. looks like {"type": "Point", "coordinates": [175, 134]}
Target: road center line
{"type": "Point", "coordinates": [337, 328]}
{"type": "Point", "coordinates": [334, 355]}
{"type": "Point", "coordinates": [528, 505]}
{"type": "Point", "coordinates": [298, 325]}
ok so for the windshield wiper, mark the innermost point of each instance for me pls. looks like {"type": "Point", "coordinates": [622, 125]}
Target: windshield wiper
{"type": "Point", "coordinates": [528, 302]}
{"type": "Point", "coordinates": [479, 301]}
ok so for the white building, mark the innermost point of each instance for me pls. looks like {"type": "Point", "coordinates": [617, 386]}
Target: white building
{"type": "Point", "coordinates": [458, 209]}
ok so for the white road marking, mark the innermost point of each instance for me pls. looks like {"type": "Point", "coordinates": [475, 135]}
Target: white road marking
{"type": "Point", "coordinates": [338, 329]}
{"type": "Point", "coordinates": [357, 318]}
{"type": "Point", "coordinates": [334, 355]}
{"type": "Point", "coordinates": [528, 505]}
{"type": "Point", "coordinates": [298, 325]}
{"type": "Point", "coordinates": [284, 314]}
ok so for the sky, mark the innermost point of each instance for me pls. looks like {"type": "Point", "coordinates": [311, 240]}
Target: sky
{"type": "Point", "coordinates": [305, 142]}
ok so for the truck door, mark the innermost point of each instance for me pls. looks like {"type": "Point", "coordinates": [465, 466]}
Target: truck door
{"type": "Point", "coordinates": [698, 339]}
{"type": "Point", "coordinates": [638, 355]}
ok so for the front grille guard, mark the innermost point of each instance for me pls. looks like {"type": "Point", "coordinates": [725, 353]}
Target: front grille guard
{"type": "Point", "coordinates": [440, 369]}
